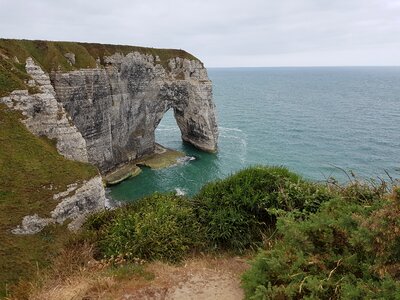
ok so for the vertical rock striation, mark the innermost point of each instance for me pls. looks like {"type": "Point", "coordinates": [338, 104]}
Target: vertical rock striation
{"type": "Point", "coordinates": [102, 104]}
{"type": "Point", "coordinates": [118, 107]}
{"type": "Point", "coordinates": [44, 116]}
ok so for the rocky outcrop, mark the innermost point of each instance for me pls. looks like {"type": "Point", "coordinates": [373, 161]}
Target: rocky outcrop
{"type": "Point", "coordinates": [88, 198]}
{"type": "Point", "coordinates": [75, 203]}
{"type": "Point", "coordinates": [32, 224]}
{"type": "Point", "coordinates": [44, 116]}
{"type": "Point", "coordinates": [102, 105]}
{"type": "Point", "coordinates": [118, 107]}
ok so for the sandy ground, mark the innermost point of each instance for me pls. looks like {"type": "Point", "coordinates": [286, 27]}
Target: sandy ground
{"type": "Point", "coordinates": [204, 278]}
{"type": "Point", "coordinates": [196, 280]}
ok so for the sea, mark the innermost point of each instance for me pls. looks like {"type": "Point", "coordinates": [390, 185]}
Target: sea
{"type": "Point", "coordinates": [321, 122]}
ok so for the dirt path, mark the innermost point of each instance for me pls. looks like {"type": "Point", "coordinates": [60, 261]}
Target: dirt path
{"type": "Point", "coordinates": [200, 278]}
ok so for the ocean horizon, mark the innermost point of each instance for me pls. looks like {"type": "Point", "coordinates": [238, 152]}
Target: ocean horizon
{"type": "Point", "coordinates": [320, 122]}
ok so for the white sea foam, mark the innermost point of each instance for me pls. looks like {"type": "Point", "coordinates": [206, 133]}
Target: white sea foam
{"type": "Point", "coordinates": [185, 159]}
{"type": "Point", "coordinates": [229, 129]}
{"type": "Point", "coordinates": [167, 128]}
{"type": "Point", "coordinates": [180, 192]}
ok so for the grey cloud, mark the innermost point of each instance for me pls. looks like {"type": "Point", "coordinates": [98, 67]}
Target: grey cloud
{"type": "Point", "coordinates": [222, 32]}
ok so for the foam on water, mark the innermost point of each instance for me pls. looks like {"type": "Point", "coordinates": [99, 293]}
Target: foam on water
{"type": "Point", "coordinates": [311, 120]}
{"type": "Point", "coordinates": [179, 192]}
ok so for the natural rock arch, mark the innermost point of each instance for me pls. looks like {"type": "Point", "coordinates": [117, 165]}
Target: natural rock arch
{"type": "Point", "coordinates": [117, 108]}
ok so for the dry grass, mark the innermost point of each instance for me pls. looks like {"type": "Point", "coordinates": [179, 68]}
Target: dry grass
{"type": "Point", "coordinates": [95, 280]}
{"type": "Point", "coordinates": [31, 171]}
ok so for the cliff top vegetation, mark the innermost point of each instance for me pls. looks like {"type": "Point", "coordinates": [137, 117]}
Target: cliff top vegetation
{"type": "Point", "coordinates": [314, 240]}
{"type": "Point", "coordinates": [50, 55]}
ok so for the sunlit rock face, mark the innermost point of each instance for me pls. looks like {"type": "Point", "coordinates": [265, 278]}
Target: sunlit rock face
{"type": "Point", "coordinates": [117, 107]}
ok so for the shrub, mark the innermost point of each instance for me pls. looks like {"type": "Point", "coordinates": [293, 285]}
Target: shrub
{"type": "Point", "coordinates": [238, 210]}
{"type": "Point", "coordinates": [347, 250]}
{"type": "Point", "coordinates": [161, 227]}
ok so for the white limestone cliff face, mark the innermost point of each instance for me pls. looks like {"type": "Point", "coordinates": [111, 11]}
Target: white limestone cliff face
{"type": "Point", "coordinates": [108, 115]}
{"type": "Point", "coordinates": [74, 204]}
{"type": "Point", "coordinates": [118, 107]}
{"type": "Point", "coordinates": [88, 198]}
{"type": "Point", "coordinates": [44, 116]}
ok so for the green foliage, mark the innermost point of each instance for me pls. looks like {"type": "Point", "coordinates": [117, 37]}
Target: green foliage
{"type": "Point", "coordinates": [101, 219]}
{"type": "Point", "coordinates": [349, 249]}
{"type": "Point", "coordinates": [161, 227]}
{"type": "Point", "coordinates": [12, 76]}
{"type": "Point", "coordinates": [31, 171]}
{"type": "Point", "coordinates": [50, 55]}
{"type": "Point", "coordinates": [237, 211]}
{"type": "Point", "coordinates": [128, 270]}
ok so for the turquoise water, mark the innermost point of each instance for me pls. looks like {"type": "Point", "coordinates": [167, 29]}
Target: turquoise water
{"type": "Point", "coordinates": [312, 120]}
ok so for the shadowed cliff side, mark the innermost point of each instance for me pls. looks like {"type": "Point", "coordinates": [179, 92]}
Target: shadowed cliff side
{"type": "Point", "coordinates": [115, 96]}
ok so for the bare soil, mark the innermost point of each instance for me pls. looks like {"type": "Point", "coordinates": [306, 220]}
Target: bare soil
{"type": "Point", "coordinates": [204, 278]}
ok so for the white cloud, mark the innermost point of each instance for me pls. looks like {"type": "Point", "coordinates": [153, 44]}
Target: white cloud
{"type": "Point", "coordinates": [222, 32]}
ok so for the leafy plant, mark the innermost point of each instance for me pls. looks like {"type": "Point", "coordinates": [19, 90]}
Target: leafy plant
{"type": "Point", "coordinates": [237, 211]}
{"type": "Point", "coordinates": [347, 250]}
{"type": "Point", "coordinates": [160, 227]}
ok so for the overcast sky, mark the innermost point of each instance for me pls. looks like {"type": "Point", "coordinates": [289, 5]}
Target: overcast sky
{"type": "Point", "coordinates": [222, 33]}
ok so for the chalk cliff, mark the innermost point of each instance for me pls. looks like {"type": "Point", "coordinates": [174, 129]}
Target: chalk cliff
{"type": "Point", "coordinates": [45, 116]}
{"type": "Point", "coordinates": [103, 103]}
{"type": "Point", "coordinates": [118, 107]}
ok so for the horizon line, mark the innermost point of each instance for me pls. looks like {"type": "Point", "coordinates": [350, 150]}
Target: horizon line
{"type": "Point", "coordinates": [303, 66]}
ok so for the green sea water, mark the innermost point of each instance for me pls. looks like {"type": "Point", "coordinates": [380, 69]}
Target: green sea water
{"type": "Point", "coordinates": [315, 121]}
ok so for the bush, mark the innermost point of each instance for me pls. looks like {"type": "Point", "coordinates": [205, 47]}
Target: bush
{"type": "Point", "coordinates": [238, 210]}
{"type": "Point", "coordinates": [160, 227]}
{"type": "Point", "coordinates": [347, 250]}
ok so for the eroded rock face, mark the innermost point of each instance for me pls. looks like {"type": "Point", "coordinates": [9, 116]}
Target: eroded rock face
{"type": "Point", "coordinates": [88, 198]}
{"type": "Point", "coordinates": [117, 108]}
{"type": "Point", "coordinates": [75, 203]}
{"type": "Point", "coordinates": [108, 115]}
{"type": "Point", "coordinates": [44, 116]}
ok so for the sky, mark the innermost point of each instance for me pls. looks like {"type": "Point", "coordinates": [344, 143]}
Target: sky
{"type": "Point", "coordinates": [222, 33]}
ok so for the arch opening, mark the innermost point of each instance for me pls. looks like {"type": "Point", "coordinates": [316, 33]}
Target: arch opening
{"type": "Point", "coordinates": [168, 133]}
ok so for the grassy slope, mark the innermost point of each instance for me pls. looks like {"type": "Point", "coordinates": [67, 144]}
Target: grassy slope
{"type": "Point", "coordinates": [50, 55]}
{"type": "Point", "coordinates": [29, 165]}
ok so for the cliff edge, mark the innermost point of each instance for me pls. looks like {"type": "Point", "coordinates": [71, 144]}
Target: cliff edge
{"type": "Point", "coordinates": [95, 105]}
{"type": "Point", "coordinates": [103, 102]}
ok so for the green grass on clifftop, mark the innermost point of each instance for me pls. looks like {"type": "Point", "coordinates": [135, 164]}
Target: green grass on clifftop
{"type": "Point", "coordinates": [50, 56]}
{"type": "Point", "coordinates": [31, 171]}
